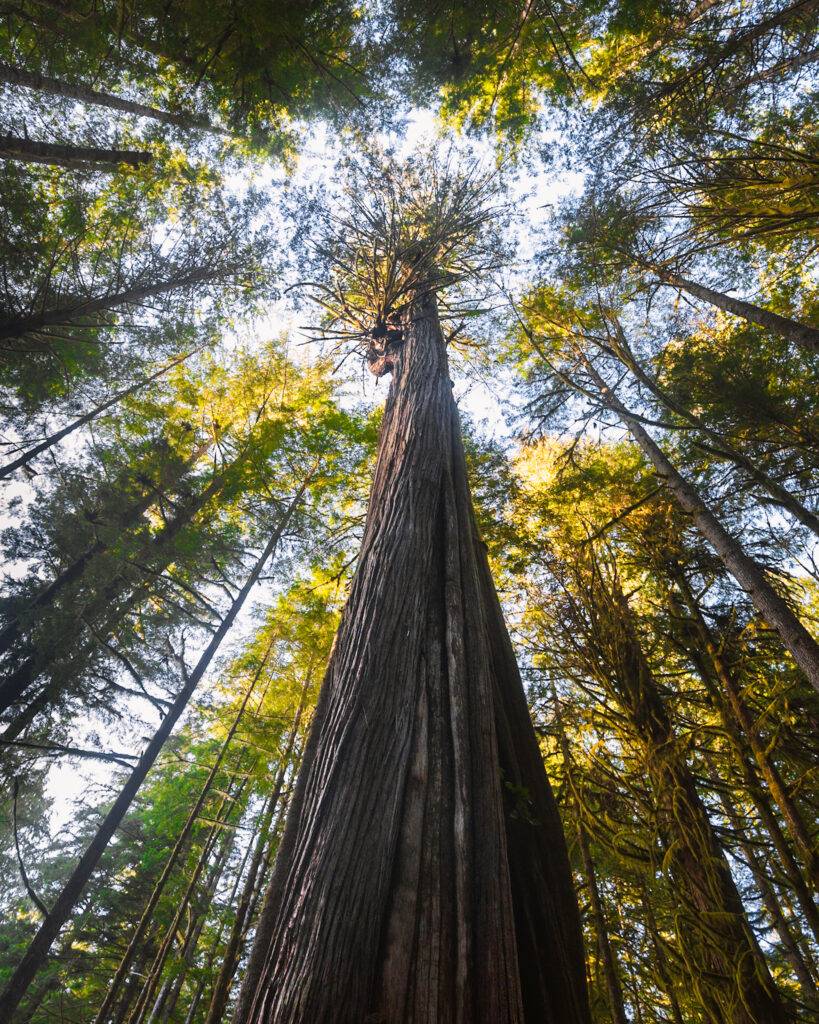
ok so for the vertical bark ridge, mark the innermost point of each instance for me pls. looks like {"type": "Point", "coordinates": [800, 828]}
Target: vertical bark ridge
{"type": "Point", "coordinates": [392, 898]}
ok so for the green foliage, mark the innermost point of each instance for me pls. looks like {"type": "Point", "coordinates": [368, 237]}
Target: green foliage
{"type": "Point", "coordinates": [675, 725]}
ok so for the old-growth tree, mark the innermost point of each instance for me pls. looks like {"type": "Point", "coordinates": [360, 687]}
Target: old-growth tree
{"type": "Point", "coordinates": [423, 873]}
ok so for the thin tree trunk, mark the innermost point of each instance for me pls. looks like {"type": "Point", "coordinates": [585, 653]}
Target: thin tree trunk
{"type": "Point", "coordinates": [266, 922]}
{"type": "Point", "coordinates": [85, 94]}
{"type": "Point", "coordinates": [15, 684]}
{"type": "Point", "coordinates": [131, 988]}
{"type": "Point", "coordinates": [74, 157]}
{"type": "Point", "coordinates": [206, 972]}
{"type": "Point", "coordinates": [704, 641]}
{"type": "Point", "coordinates": [169, 991]}
{"type": "Point", "coordinates": [721, 448]}
{"type": "Point", "coordinates": [787, 862]}
{"type": "Point", "coordinates": [226, 807]}
{"type": "Point", "coordinates": [269, 855]}
{"type": "Point", "coordinates": [168, 477]}
{"type": "Point", "coordinates": [58, 435]}
{"type": "Point", "coordinates": [605, 952]}
{"type": "Point", "coordinates": [37, 951]}
{"type": "Point", "coordinates": [752, 783]}
{"type": "Point", "coordinates": [196, 999]}
{"type": "Point", "coordinates": [423, 873]}
{"type": "Point", "coordinates": [217, 832]}
{"type": "Point", "coordinates": [748, 573]}
{"type": "Point", "coordinates": [613, 988]}
{"type": "Point", "coordinates": [771, 903]}
{"type": "Point", "coordinates": [193, 943]}
{"type": "Point", "coordinates": [799, 334]}
{"type": "Point", "coordinates": [261, 824]}
{"type": "Point", "coordinates": [221, 988]}
{"type": "Point", "coordinates": [20, 326]}
{"type": "Point", "coordinates": [137, 938]}
{"type": "Point", "coordinates": [744, 38]}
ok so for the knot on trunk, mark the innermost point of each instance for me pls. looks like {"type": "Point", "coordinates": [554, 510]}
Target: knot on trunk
{"type": "Point", "coordinates": [382, 350]}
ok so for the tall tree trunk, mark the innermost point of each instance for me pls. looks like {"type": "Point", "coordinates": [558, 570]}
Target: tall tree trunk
{"type": "Point", "coordinates": [19, 326]}
{"type": "Point", "coordinates": [722, 956]}
{"type": "Point", "coordinates": [605, 952]}
{"type": "Point", "coordinates": [30, 1008]}
{"type": "Point", "coordinates": [220, 839]}
{"type": "Point", "coordinates": [132, 986]}
{"type": "Point", "coordinates": [58, 435]}
{"type": "Point", "coordinates": [206, 972]}
{"type": "Point", "coordinates": [663, 972]}
{"type": "Point", "coordinates": [270, 852]}
{"type": "Point", "coordinates": [748, 573]}
{"type": "Point", "coordinates": [85, 94]}
{"type": "Point", "coordinates": [221, 988]}
{"type": "Point", "coordinates": [802, 335]}
{"type": "Point", "coordinates": [35, 955]}
{"type": "Point", "coordinates": [81, 158]}
{"type": "Point", "coordinates": [423, 873]}
{"type": "Point", "coordinates": [614, 989]}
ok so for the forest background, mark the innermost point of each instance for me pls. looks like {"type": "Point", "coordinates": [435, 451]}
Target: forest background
{"type": "Point", "coordinates": [189, 435]}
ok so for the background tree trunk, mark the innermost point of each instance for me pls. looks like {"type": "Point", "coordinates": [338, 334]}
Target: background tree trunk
{"type": "Point", "coordinates": [221, 987]}
{"type": "Point", "coordinates": [58, 435]}
{"type": "Point", "coordinates": [722, 956]}
{"type": "Point", "coordinates": [423, 873]}
{"type": "Point", "coordinates": [19, 326]}
{"type": "Point", "coordinates": [85, 94]}
{"type": "Point", "coordinates": [78, 158]}
{"type": "Point", "coordinates": [747, 572]}
{"type": "Point", "coordinates": [802, 335]}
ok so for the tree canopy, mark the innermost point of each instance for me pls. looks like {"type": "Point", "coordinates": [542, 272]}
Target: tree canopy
{"type": "Point", "coordinates": [410, 477]}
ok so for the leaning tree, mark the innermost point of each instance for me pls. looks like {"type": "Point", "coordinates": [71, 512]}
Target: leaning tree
{"type": "Point", "coordinates": [423, 874]}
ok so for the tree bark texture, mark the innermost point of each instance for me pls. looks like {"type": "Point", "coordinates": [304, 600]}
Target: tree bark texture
{"type": "Point", "coordinates": [423, 875]}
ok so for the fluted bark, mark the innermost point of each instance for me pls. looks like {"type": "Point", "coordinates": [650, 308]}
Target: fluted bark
{"type": "Point", "coordinates": [423, 874]}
